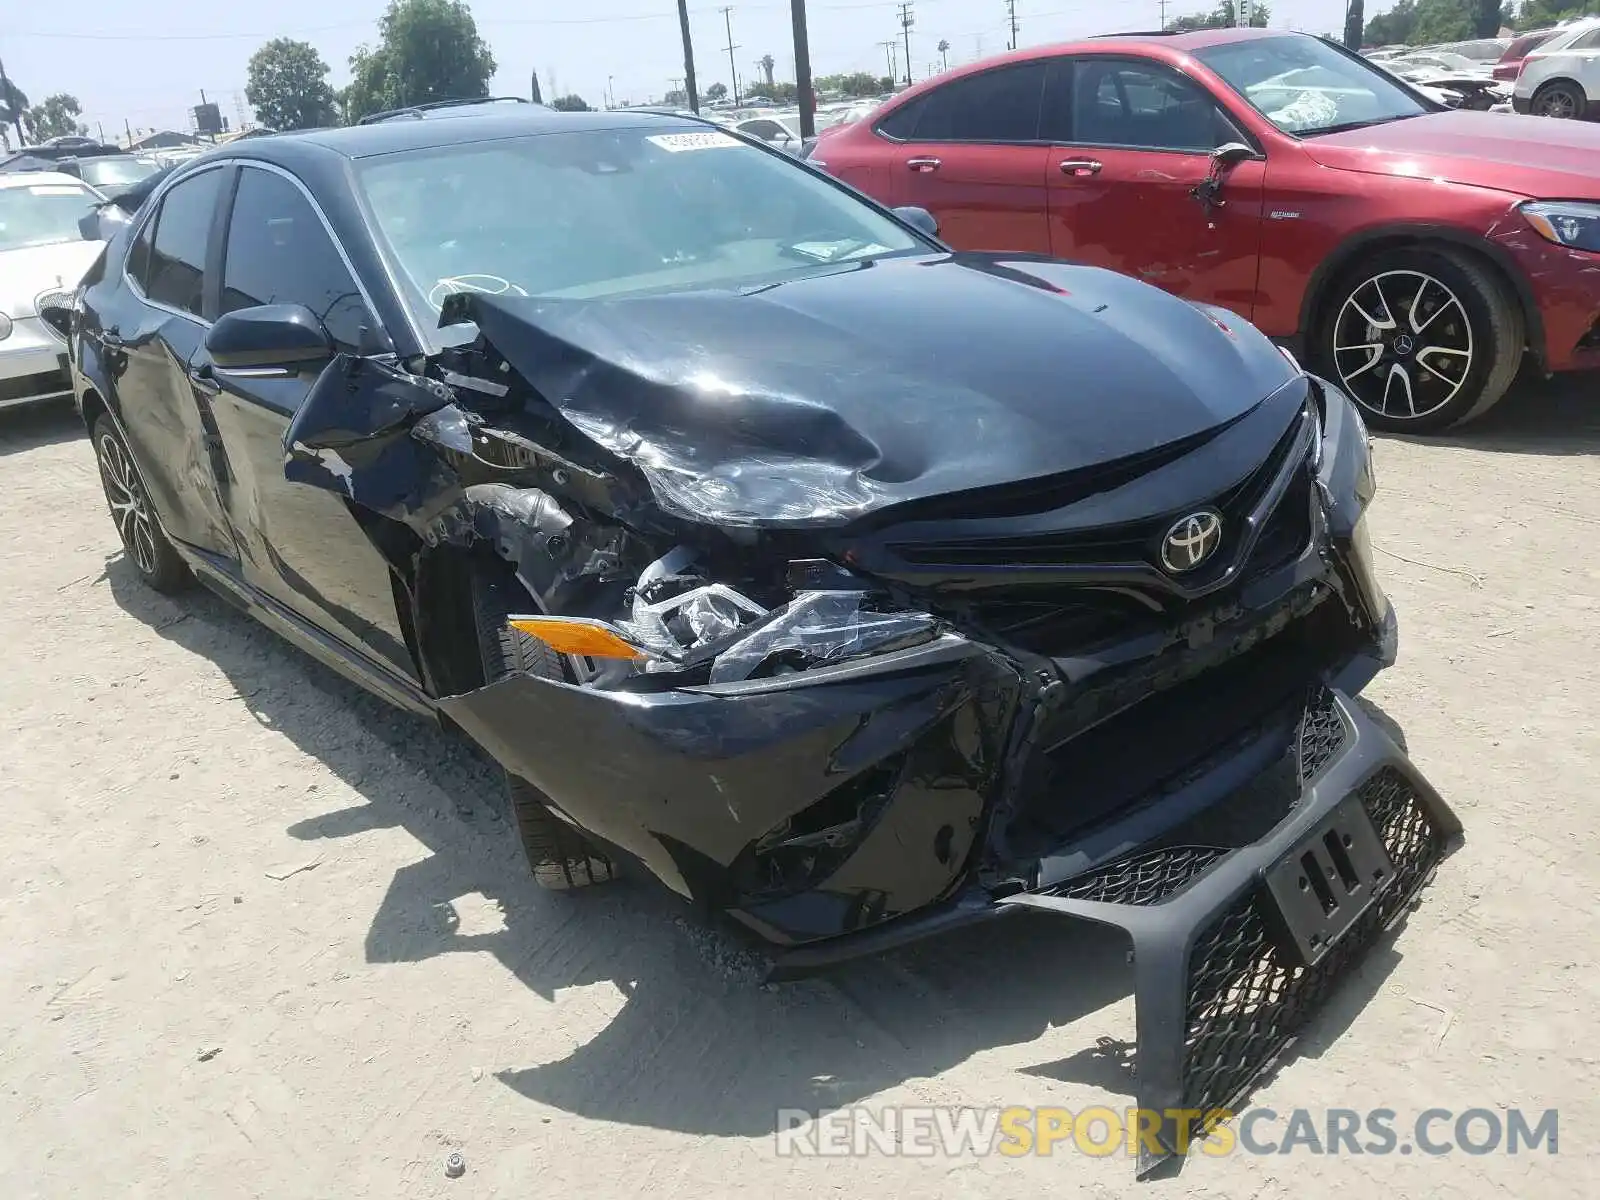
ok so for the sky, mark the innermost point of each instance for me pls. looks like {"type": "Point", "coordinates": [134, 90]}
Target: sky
{"type": "Point", "coordinates": [145, 63]}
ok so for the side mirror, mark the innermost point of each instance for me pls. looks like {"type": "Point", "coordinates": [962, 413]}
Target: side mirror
{"type": "Point", "coordinates": [59, 318]}
{"type": "Point", "coordinates": [919, 218]}
{"type": "Point", "coordinates": [1223, 159]}
{"type": "Point", "coordinates": [269, 335]}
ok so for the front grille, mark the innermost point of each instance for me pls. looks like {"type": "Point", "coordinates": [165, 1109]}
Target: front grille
{"type": "Point", "coordinates": [1107, 544]}
{"type": "Point", "coordinates": [1148, 877]}
{"type": "Point", "coordinates": [1246, 1002]}
{"type": "Point", "coordinates": [23, 387]}
{"type": "Point", "coordinates": [1322, 735]}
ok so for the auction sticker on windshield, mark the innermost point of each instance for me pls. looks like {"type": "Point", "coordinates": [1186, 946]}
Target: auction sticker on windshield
{"type": "Point", "coordinates": [676, 142]}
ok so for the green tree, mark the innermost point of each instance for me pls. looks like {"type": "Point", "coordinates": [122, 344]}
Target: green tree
{"type": "Point", "coordinates": [288, 87]}
{"type": "Point", "coordinates": [1442, 21]}
{"type": "Point", "coordinates": [427, 50]}
{"type": "Point", "coordinates": [572, 102]}
{"type": "Point", "coordinates": [676, 98]}
{"type": "Point", "coordinates": [717, 91]}
{"type": "Point", "coordinates": [13, 103]}
{"type": "Point", "coordinates": [782, 92]}
{"type": "Point", "coordinates": [1541, 14]}
{"type": "Point", "coordinates": [54, 116]}
{"type": "Point", "coordinates": [1395, 27]}
{"type": "Point", "coordinates": [1224, 16]}
{"type": "Point", "coordinates": [768, 65]}
{"type": "Point", "coordinates": [855, 83]}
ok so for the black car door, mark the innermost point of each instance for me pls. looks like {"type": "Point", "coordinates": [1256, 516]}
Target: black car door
{"type": "Point", "coordinates": [155, 327]}
{"type": "Point", "coordinates": [301, 545]}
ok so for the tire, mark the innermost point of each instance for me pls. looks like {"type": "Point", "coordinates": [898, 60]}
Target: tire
{"type": "Point", "coordinates": [561, 858]}
{"type": "Point", "coordinates": [1560, 100]}
{"type": "Point", "coordinates": [143, 541]}
{"type": "Point", "coordinates": [1421, 338]}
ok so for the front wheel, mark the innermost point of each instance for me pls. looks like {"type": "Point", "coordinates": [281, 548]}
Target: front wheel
{"type": "Point", "coordinates": [559, 855]}
{"type": "Point", "coordinates": [1421, 339]}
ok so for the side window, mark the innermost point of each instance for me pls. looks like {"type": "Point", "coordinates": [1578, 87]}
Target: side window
{"type": "Point", "coordinates": [1589, 41]}
{"type": "Point", "coordinates": [997, 106]}
{"type": "Point", "coordinates": [178, 253]}
{"type": "Point", "coordinates": [279, 252]}
{"type": "Point", "coordinates": [902, 122]}
{"type": "Point", "coordinates": [765, 130]}
{"type": "Point", "coordinates": [1119, 102]}
{"type": "Point", "coordinates": [139, 256]}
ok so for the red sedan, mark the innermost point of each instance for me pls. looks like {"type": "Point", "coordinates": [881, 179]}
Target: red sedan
{"type": "Point", "coordinates": [1414, 253]}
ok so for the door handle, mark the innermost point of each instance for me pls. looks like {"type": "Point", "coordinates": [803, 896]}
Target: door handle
{"type": "Point", "coordinates": [1080, 168]}
{"type": "Point", "coordinates": [923, 165]}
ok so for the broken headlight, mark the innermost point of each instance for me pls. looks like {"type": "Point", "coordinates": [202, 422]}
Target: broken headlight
{"type": "Point", "coordinates": [680, 623]}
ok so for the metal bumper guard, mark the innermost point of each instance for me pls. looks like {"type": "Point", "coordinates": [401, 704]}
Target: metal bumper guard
{"type": "Point", "coordinates": [1219, 990]}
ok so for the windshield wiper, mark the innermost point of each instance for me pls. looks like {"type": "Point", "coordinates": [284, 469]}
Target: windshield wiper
{"type": "Point", "coordinates": [1347, 126]}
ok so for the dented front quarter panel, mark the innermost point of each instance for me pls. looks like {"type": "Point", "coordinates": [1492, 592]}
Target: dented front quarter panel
{"type": "Point", "coordinates": [687, 781]}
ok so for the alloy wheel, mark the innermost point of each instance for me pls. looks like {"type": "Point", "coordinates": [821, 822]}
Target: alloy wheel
{"type": "Point", "coordinates": [1559, 104]}
{"type": "Point", "coordinates": [130, 508]}
{"type": "Point", "coordinates": [1402, 344]}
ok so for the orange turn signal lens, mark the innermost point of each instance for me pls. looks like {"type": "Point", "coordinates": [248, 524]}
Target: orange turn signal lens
{"type": "Point", "coordinates": [576, 635]}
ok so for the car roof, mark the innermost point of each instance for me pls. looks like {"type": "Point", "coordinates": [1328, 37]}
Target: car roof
{"type": "Point", "coordinates": [41, 178]}
{"type": "Point", "coordinates": [396, 135]}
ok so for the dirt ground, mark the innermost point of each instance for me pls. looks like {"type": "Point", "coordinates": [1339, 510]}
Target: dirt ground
{"type": "Point", "coordinates": [262, 936]}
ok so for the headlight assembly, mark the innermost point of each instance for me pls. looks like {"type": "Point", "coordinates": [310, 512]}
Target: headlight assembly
{"type": "Point", "coordinates": [680, 624]}
{"type": "Point", "coordinates": [1571, 223]}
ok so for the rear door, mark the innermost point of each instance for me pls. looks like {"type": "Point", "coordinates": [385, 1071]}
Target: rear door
{"type": "Point", "coordinates": [1130, 139]}
{"type": "Point", "coordinates": [972, 157]}
{"type": "Point", "coordinates": [156, 339]}
{"type": "Point", "coordinates": [303, 546]}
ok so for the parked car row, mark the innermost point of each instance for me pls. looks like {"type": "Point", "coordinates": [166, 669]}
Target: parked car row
{"type": "Point", "coordinates": [1414, 254]}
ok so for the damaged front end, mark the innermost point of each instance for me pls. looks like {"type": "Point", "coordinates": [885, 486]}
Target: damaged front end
{"type": "Point", "coordinates": [851, 727]}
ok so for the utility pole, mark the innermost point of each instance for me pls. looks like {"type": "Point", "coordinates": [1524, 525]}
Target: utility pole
{"type": "Point", "coordinates": [907, 20]}
{"type": "Point", "coordinates": [1242, 16]}
{"type": "Point", "coordinates": [888, 57]}
{"type": "Point", "coordinates": [688, 57]}
{"type": "Point", "coordinates": [129, 129]}
{"type": "Point", "coordinates": [1162, 4]}
{"type": "Point", "coordinates": [1011, 18]}
{"type": "Point", "coordinates": [733, 71]}
{"type": "Point", "coordinates": [802, 70]}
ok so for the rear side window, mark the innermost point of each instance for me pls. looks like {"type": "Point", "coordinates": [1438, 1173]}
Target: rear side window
{"type": "Point", "coordinates": [176, 275]}
{"type": "Point", "coordinates": [279, 252]}
{"type": "Point", "coordinates": [1588, 41]}
{"type": "Point", "coordinates": [139, 256]}
{"type": "Point", "coordinates": [997, 106]}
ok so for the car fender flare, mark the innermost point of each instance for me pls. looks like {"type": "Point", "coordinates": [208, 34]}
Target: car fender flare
{"type": "Point", "coordinates": [1477, 245]}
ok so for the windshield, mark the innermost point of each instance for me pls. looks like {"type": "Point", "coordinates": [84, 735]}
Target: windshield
{"type": "Point", "coordinates": [115, 174]}
{"type": "Point", "coordinates": [611, 212]}
{"type": "Point", "coordinates": [1306, 87]}
{"type": "Point", "coordinates": [42, 214]}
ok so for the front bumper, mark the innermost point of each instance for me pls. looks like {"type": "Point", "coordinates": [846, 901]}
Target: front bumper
{"type": "Point", "coordinates": [33, 365]}
{"type": "Point", "coordinates": [1219, 993]}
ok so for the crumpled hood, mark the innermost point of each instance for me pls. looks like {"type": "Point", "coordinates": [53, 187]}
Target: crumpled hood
{"type": "Point", "coordinates": [814, 401]}
{"type": "Point", "coordinates": [1530, 156]}
{"type": "Point", "coordinates": [25, 273]}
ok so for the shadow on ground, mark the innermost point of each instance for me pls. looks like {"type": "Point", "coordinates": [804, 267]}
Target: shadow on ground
{"type": "Point", "coordinates": [669, 1060]}
{"type": "Point", "coordinates": [37, 425]}
{"type": "Point", "coordinates": [1540, 416]}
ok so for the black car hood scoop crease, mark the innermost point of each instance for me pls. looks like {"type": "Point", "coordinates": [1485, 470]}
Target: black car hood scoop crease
{"type": "Point", "coordinates": [815, 401]}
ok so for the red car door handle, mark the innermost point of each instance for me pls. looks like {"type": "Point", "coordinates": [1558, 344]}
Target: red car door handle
{"type": "Point", "coordinates": [922, 164]}
{"type": "Point", "coordinates": [1080, 168]}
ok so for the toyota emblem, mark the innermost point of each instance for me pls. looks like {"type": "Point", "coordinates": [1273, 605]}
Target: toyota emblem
{"type": "Point", "coordinates": [1191, 541]}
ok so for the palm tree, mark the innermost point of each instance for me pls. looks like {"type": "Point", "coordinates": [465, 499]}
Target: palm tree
{"type": "Point", "coordinates": [13, 104]}
{"type": "Point", "coordinates": [767, 66]}
{"type": "Point", "coordinates": [944, 53]}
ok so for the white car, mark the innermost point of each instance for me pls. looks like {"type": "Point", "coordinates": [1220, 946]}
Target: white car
{"type": "Point", "coordinates": [1561, 78]}
{"type": "Point", "coordinates": [43, 255]}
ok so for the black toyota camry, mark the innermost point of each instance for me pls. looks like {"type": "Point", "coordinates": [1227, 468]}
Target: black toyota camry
{"type": "Point", "coordinates": [854, 588]}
